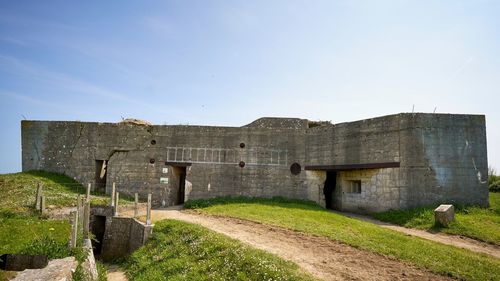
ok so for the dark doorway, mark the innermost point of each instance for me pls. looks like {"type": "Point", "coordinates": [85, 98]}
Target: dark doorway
{"type": "Point", "coordinates": [98, 229]}
{"type": "Point", "coordinates": [329, 189]}
{"type": "Point", "coordinates": [100, 175]}
{"type": "Point", "coordinates": [182, 185]}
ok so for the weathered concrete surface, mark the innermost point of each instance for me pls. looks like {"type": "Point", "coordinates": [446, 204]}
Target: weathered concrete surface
{"type": "Point", "coordinates": [123, 236]}
{"type": "Point", "coordinates": [89, 266]}
{"type": "Point", "coordinates": [440, 158]}
{"type": "Point", "coordinates": [57, 270]}
{"type": "Point", "coordinates": [444, 214]}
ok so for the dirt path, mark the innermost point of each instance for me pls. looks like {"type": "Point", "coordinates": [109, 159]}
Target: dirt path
{"type": "Point", "coordinates": [115, 273]}
{"type": "Point", "coordinates": [322, 257]}
{"type": "Point", "coordinates": [453, 240]}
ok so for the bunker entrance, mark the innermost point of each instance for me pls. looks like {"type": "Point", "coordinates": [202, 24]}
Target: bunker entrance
{"type": "Point", "coordinates": [98, 228]}
{"type": "Point", "coordinates": [329, 189]}
{"type": "Point", "coordinates": [180, 175]}
{"type": "Point", "coordinates": [100, 175]}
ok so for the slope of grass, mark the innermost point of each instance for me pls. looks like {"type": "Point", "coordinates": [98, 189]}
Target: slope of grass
{"type": "Point", "coordinates": [18, 191]}
{"type": "Point", "coordinates": [474, 222]}
{"type": "Point", "coordinates": [22, 230]}
{"type": "Point", "coordinates": [184, 251]}
{"type": "Point", "coordinates": [310, 218]}
{"type": "Point", "coordinates": [19, 233]}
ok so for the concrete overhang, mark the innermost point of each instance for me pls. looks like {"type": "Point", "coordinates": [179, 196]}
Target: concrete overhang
{"type": "Point", "coordinates": [346, 167]}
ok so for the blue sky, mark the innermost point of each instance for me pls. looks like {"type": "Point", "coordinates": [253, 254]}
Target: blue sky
{"type": "Point", "coordinates": [230, 62]}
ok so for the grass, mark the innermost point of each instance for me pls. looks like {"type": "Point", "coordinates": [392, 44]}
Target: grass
{"type": "Point", "coordinates": [27, 234]}
{"type": "Point", "coordinates": [475, 222]}
{"type": "Point", "coordinates": [23, 231]}
{"type": "Point", "coordinates": [19, 191]}
{"type": "Point", "coordinates": [184, 251]}
{"type": "Point", "coordinates": [310, 218]}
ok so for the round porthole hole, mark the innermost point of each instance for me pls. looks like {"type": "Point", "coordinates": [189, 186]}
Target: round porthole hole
{"type": "Point", "coordinates": [295, 168]}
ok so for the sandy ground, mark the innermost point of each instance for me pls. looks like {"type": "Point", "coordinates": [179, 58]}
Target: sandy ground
{"type": "Point", "coordinates": [115, 273]}
{"type": "Point", "coordinates": [322, 257]}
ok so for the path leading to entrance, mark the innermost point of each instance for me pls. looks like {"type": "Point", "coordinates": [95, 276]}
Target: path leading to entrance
{"type": "Point", "coordinates": [453, 240]}
{"type": "Point", "coordinates": [115, 273]}
{"type": "Point", "coordinates": [322, 257]}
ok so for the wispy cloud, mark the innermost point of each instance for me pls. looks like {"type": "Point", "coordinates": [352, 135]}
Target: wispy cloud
{"type": "Point", "coordinates": [14, 41]}
{"type": "Point", "coordinates": [463, 67]}
{"type": "Point", "coordinates": [23, 21]}
{"type": "Point", "coordinates": [27, 99]}
{"type": "Point", "coordinates": [69, 83]}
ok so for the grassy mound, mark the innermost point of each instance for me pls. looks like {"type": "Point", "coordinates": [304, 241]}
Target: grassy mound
{"type": "Point", "coordinates": [311, 218]}
{"type": "Point", "coordinates": [474, 222]}
{"type": "Point", "coordinates": [19, 191]}
{"type": "Point", "coordinates": [184, 251]}
{"type": "Point", "coordinates": [22, 230]}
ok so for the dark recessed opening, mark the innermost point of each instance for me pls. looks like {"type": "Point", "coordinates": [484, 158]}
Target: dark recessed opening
{"type": "Point", "coordinates": [153, 142]}
{"type": "Point", "coordinates": [329, 190]}
{"type": "Point", "coordinates": [100, 175]}
{"type": "Point", "coordinates": [241, 164]}
{"type": "Point", "coordinates": [242, 145]}
{"type": "Point", "coordinates": [151, 161]}
{"type": "Point", "coordinates": [98, 228]}
{"type": "Point", "coordinates": [179, 182]}
{"type": "Point", "coordinates": [295, 168]}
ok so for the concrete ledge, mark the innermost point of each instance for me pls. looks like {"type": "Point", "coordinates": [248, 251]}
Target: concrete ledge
{"type": "Point", "coordinates": [89, 266]}
{"type": "Point", "coordinates": [60, 270]}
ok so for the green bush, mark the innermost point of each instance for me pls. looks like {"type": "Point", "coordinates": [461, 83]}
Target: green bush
{"type": "Point", "coordinates": [494, 183]}
{"type": "Point", "coordinates": [493, 180]}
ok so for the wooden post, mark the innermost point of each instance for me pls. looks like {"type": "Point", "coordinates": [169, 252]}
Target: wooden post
{"type": "Point", "coordinates": [88, 191]}
{"type": "Point", "coordinates": [148, 212]}
{"type": "Point", "coordinates": [74, 228]}
{"type": "Point", "coordinates": [38, 196]}
{"type": "Point", "coordinates": [78, 202]}
{"type": "Point", "coordinates": [136, 205]}
{"type": "Point", "coordinates": [113, 190]}
{"type": "Point", "coordinates": [42, 205]}
{"type": "Point", "coordinates": [117, 197]}
{"type": "Point", "coordinates": [86, 220]}
{"type": "Point", "coordinates": [81, 211]}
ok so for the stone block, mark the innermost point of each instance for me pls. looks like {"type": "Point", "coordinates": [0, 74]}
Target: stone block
{"type": "Point", "coordinates": [444, 214]}
{"type": "Point", "coordinates": [60, 269]}
{"type": "Point", "coordinates": [18, 262]}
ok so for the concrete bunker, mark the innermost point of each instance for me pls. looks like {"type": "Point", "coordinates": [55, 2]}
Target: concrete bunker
{"type": "Point", "coordinates": [398, 161]}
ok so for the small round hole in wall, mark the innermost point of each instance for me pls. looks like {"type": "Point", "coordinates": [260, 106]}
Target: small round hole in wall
{"type": "Point", "coordinates": [242, 145]}
{"type": "Point", "coordinates": [153, 142]}
{"type": "Point", "coordinates": [295, 168]}
{"type": "Point", "coordinates": [242, 164]}
{"type": "Point", "coordinates": [151, 161]}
